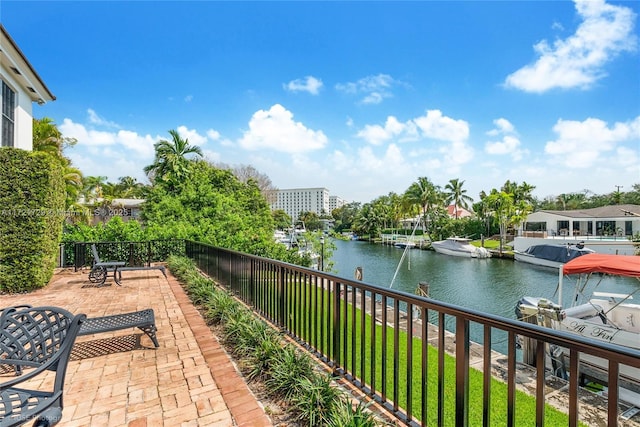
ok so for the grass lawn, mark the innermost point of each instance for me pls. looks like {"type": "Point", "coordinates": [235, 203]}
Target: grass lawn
{"type": "Point", "coordinates": [361, 355]}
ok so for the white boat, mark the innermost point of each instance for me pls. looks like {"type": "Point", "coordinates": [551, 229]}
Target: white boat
{"type": "Point", "coordinates": [404, 244]}
{"type": "Point", "coordinates": [550, 255]}
{"type": "Point", "coordinates": [604, 316]}
{"type": "Point", "coordinates": [460, 246]}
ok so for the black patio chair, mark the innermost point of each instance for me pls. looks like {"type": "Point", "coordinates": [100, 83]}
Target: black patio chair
{"type": "Point", "coordinates": [101, 269]}
{"type": "Point", "coordinates": [34, 340]}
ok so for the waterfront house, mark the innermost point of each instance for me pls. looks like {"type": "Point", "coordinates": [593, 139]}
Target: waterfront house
{"type": "Point", "coordinates": [127, 209]}
{"type": "Point", "coordinates": [606, 229]}
{"type": "Point", "coordinates": [21, 87]}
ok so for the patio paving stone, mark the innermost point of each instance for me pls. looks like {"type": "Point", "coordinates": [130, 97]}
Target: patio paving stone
{"type": "Point", "coordinates": [119, 379]}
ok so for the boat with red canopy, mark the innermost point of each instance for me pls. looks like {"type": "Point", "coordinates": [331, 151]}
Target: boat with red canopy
{"type": "Point", "coordinates": [606, 316]}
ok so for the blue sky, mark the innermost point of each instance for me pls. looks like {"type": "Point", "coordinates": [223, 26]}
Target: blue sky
{"type": "Point", "coordinates": [359, 97]}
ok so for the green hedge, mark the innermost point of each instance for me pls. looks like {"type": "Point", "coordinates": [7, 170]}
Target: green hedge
{"type": "Point", "coordinates": [31, 216]}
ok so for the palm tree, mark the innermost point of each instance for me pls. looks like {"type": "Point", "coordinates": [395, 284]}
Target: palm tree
{"type": "Point", "coordinates": [47, 138]}
{"type": "Point", "coordinates": [368, 221]}
{"type": "Point", "coordinates": [92, 187]}
{"type": "Point", "coordinates": [129, 187]}
{"type": "Point", "coordinates": [425, 194]}
{"type": "Point", "coordinates": [170, 164]}
{"type": "Point", "coordinates": [456, 194]}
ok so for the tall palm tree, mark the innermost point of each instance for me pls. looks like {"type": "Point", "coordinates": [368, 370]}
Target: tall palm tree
{"type": "Point", "coordinates": [171, 164]}
{"type": "Point", "coordinates": [425, 194]}
{"type": "Point", "coordinates": [455, 194]}
{"type": "Point", "coordinates": [48, 139]}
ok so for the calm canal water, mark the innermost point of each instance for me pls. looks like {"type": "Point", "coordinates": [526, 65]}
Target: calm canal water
{"type": "Point", "coordinates": [489, 285]}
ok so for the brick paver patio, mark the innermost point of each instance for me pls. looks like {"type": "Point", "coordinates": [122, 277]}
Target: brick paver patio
{"type": "Point", "coordinates": [120, 379]}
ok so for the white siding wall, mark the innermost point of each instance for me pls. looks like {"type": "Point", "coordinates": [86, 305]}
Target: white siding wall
{"type": "Point", "coordinates": [23, 136]}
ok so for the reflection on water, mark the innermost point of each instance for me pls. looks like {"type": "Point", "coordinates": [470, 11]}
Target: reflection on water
{"type": "Point", "coordinates": [488, 285]}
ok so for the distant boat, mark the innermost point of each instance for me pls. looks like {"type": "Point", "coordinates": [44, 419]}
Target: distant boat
{"type": "Point", "coordinates": [403, 245]}
{"type": "Point", "coordinates": [460, 246]}
{"type": "Point", "coordinates": [549, 255]}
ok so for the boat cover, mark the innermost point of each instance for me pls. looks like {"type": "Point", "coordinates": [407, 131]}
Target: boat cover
{"type": "Point", "coordinates": [619, 265]}
{"type": "Point", "coordinates": [557, 253]}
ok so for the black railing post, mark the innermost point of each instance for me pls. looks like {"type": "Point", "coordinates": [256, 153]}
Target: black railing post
{"type": "Point", "coordinates": [131, 252]}
{"type": "Point", "coordinates": [337, 289]}
{"type": "Point", "coordinates": [462, 371]}
{"type": "Point", "coordinates": [282, 297]}
{"type": "Point", "coordinates": [252, 285]}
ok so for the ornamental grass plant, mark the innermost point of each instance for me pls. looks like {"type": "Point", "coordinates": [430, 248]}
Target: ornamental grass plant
{"type": "Point", "coordinates": [288, 374]}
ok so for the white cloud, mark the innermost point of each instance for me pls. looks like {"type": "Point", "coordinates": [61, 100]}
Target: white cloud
{"type": "Point", "coordinates": [308, 84]}
{"type": "Point", "coordinates": [436, 126]}
{"type": "Point", "coordinates": [192, 135]}
{"type": "Point", "coordinates": [376, 134]}
{"type": "Point", "coordinates": [86, 136]}
{"type": "Point", "coordinates": [211, 156]}
{"type": "Point", "coordinates": [275, 129]}
{"type": "Point", "coordinates": [581, 145]}
{"type": "Point", "coordinates": [95, 119]}
{"type": "Point", "coordinates": [578, 61]}
{"type": "Point", "coordinates": [374, 88]}
{"type": "Point", "coordinates": [213, 134]}
{"type": "Point", "coordinates": [456, 155]}
{"type": "Point", "coordinates": [502, 126]}
{"type": "Point", "coordinates": [188, 98]}
{"type": "Point", "coordinates": [142, 145]}
{"type": "Point", "coordinates": [433, 125]}
{"type": "Point", "coordinates": [510, 143]}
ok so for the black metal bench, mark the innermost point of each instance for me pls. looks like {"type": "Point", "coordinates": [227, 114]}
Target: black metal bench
{"type": "Point", "coordinates": [143, 320]}
{"type": "Point", "coordinates": [101, 269]}
{"type": "Point", "coordinates": [34, 340]}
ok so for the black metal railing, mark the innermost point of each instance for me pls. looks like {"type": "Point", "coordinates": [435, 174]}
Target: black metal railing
{"type": "Point", "coordinates": [79, 254]}
{"type": "Point", "coordinates": [371, 336]}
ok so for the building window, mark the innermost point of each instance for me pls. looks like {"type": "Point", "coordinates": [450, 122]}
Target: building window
{"type": "Point", "coordinates": [8, 115]}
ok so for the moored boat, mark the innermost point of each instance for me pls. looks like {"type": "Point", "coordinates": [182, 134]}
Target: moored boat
{"type": "Point", "coordinates": [460, 246]}
{"type": "Point", "coordinates": [550, 255]}
{"type": "Point", "coordinates": [404, 244]}
{"type": "Point", "coordinates": [605, 316]}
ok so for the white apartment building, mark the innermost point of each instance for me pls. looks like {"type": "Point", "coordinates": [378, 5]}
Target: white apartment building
{"type": "Point", "coordinates": [336, 202]}
{"type": "Point", "coordinates": [296, 200]}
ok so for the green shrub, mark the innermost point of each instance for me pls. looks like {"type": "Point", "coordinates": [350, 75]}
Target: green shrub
{"type": "Point", "coordinates": [315, 399]}
{"type": "Point", "coordinates": [221, 307]}
{"type": "Point", "coordinates": [32, 211]}
{"type": "Point", "coordinates": [289, 367]}
{"type": "Point", "coordinates": [259, 362]}
{"type": "Point", "coordinates": [344, 414]}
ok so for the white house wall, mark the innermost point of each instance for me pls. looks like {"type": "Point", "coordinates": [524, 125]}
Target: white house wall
{"type": "Point", "coordinates": [611, 244]}
{"type": "Point", "coordinates": [23, 126]}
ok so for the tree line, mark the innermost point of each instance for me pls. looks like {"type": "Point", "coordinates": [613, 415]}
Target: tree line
{"type": "Point", "coordinates": [188, 197]}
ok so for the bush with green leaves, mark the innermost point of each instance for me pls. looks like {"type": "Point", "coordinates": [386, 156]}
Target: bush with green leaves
{"type": "Point", "coordinates": [287, 369]}
{"type": "Point", "coordinates": [345, 414]}
{"type": "Point", "coordinates": [114, 230]}
{"type": "Point", "coordinates": [315, 399]}
{"type": "Point", "coordinates": [32, 208]}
